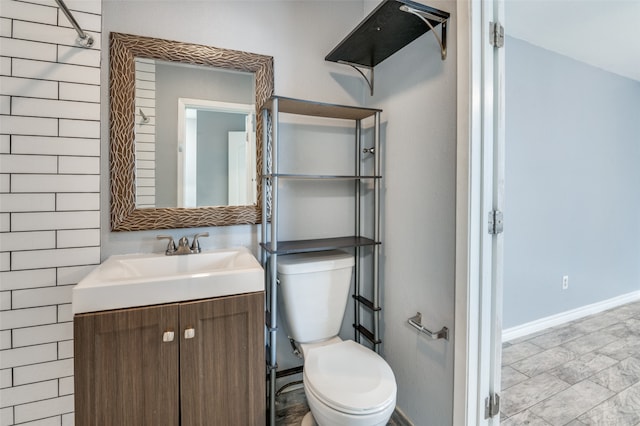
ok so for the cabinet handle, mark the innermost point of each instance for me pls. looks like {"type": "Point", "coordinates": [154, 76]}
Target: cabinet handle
{"type": "Point", "coordinates": [189, 333]}
{"type": "Point", "coordinates": [168, 336]}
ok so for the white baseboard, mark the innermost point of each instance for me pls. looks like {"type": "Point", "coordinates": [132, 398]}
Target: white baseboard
{"type": "Point", "coordinates": [564, 317]}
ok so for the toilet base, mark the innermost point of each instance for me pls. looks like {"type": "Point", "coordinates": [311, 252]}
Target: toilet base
{"type": "Point", "coordinates": [308, 420]}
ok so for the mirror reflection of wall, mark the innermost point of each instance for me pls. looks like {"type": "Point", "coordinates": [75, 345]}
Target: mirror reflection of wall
{"type": "Point", "coordinates": [160, 85]}
{"type": "Point", "coordinates": [215, 166]}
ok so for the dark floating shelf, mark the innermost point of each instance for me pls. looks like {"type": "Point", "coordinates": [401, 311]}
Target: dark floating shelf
{"type": "Point", "coordinates": [390, 27]}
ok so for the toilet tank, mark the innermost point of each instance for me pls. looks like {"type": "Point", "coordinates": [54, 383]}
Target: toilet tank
{"type": "Point", "coordinates": [314, 289]}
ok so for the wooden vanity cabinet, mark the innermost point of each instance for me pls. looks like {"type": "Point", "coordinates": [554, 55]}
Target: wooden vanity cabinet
{"type": "Point", "coordinates": [129, 372]}
{"type": "Point", "coordinates": [222, 369]}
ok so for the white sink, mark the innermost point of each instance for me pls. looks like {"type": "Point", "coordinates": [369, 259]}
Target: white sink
{"type": "Point", "coordinates": [130, 280]}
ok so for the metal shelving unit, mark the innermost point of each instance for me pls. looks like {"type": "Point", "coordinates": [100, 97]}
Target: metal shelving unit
{"type": "Point", "coordinates": [361, 239]}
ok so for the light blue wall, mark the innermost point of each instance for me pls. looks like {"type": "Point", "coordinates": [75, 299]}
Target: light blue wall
{"type": "Point", "coordinates": [572, 184]}
{"type": "Point", "coordinates": [213, 155]}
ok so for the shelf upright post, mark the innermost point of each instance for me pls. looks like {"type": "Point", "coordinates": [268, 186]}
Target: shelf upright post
{"type": "Point", "coordinates": [358, 230]}
{"type": "Point", "coordinates": [265, 172]}
{"type": "Point", "coordinates": [273, 264]}
{"type": "Point", "coordinates": [376, 237]}
{"type": "Point", "coordinates": [264, 255]}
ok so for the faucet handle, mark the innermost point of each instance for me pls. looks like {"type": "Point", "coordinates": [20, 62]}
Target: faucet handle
{"type": "Point", "coordinates": [195, 245]}
{"type": "Point", "coordinates": [171, 247]}
{"type": "Point", "coordinates": [183, 242]}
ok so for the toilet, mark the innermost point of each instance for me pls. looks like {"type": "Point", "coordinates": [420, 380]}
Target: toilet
{"type": "Point", "coordinates": [346, 384]}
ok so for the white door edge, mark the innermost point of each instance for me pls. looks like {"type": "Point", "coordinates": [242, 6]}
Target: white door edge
{"type": "Point", "coordinates": [478, 300]}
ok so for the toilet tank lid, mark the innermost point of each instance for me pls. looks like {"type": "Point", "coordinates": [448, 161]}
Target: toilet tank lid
{"type": "Point", "coordinates": [302, 263]}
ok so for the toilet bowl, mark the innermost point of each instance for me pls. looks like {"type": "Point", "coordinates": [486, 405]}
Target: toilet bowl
{"type": "Point", "coordinates": [346, 384]}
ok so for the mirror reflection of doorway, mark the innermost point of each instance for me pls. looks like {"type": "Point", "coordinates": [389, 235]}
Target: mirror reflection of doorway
{"type": "Point", "coordinates": [213, 170]}
{"type": "Point", "coordinates": [242, 172]}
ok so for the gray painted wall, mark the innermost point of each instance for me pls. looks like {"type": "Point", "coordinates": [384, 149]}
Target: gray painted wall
{"type": "Point", "coordinates": [572, 184]}
{"type": "Point", "coordinates": [417, 92]}
{"type": "Point", "coordinates": [275, 28]}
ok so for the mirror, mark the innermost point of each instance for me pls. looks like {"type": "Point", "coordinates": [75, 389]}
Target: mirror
{"type": "Point", "coordinates": [137, 188]}
{"type": "Point", "coordinates": [202, 151]}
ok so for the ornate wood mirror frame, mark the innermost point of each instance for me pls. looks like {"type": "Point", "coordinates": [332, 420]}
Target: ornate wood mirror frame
{"type": "Point", "coordinates": [124, 48]}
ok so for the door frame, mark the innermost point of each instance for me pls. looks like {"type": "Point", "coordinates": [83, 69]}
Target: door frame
{"type": "Point", "coordinates": [186, 150]}
{"type": "Point", "coordinates": [480, 172]}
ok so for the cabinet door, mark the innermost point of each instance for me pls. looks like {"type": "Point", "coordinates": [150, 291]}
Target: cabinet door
{"type": "Point", "coordinates": [125, 375]}
{"type": "Point", "coordinates": [222, 367]}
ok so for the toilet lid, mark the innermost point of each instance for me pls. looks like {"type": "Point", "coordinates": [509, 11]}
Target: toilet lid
{"type": "Point", "coordinates": [349, 378]}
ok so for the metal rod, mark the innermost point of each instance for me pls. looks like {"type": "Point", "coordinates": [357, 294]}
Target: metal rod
{"type": "Point", "coordinates": [84, 40]}
{"type": "Point", "coordinates": [265, 172]}
{"type": "Point", "coordinates": [287, 386]}
{"type": "Point", "coordinates": [273, 281]}
{"type": "Point", "coordinates": [289, 371]}
{"type": "Point", "coordinates": [416, 322]}
{"type": "Point", "coordinates": [376, 237]}
{"type": "Point", "coordinates": [264, 258]}
{"type": "Point", "coordinates": [272, 397]}
{"type": "Point", "coordinates": [358, 231]}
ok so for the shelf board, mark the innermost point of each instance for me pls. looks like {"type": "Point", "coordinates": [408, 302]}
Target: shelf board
{"type": "Point", "coordinates": [318, 177]}
{"type": "Point", "coordinates": [323, 244]}
{"type": "Point", "coordinates": [385, 31]}
{"type": "Point", "coordinates": [319, 109]}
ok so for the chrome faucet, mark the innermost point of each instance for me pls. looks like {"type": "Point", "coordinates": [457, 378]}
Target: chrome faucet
{"type": "Point", "coordinates": [183, 244]}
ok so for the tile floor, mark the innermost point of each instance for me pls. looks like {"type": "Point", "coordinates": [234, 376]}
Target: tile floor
{"type": "Point", "coordinates": [291, 407]}
{"type": "Point", "coordinates": [586, 372]}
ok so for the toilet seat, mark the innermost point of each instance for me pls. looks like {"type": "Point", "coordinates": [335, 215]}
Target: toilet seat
{"type": "Point", "coordinates": [349, 378]}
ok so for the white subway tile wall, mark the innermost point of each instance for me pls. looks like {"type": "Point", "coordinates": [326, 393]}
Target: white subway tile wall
{"type": "Point", "coordinates": [49, 200]}
{"type": "Point", "coordinates": [145, 108]}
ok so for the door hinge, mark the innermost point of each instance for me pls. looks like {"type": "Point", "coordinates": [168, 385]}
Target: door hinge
{"type": "Point", "coordinates": [491, 406]}
{"type": "Point", "coordinates": [496, 34]}
{"type": "Point", "coordinates": [496, 225]}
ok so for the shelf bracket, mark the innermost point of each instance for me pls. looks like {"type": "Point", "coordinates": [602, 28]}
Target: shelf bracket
{"type": "Point", "coordinates": [357, 67]}
{"type": "Point", "coordinates": [425, 16]}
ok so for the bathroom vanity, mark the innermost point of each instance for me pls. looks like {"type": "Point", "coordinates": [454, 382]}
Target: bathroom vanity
{"type": "Point", "coordinates": [190, 363]}
{"type": "Point", "coordinates": [171, 340]}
